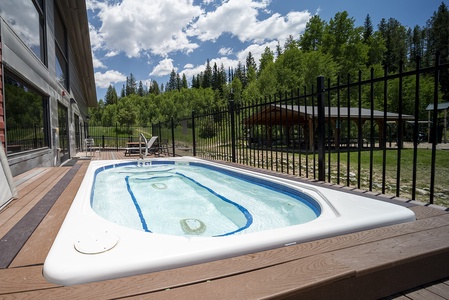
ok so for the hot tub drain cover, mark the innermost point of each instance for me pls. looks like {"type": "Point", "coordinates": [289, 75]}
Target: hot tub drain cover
{"type": "Point", "coordinates": [193, 226]}
{"type": "Point", "coordinates": [96, 242]}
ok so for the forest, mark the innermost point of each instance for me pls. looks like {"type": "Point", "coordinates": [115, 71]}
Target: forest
{"type": "Point", "coordinates": [336, 49]}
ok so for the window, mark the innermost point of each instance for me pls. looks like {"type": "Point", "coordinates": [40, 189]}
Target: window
{"type": "Point", "coordinates": [26, 115]}
{"type": "Point", "coordinates": [27, 19]}
{"type": "Point", "coordinates": [62, 62]}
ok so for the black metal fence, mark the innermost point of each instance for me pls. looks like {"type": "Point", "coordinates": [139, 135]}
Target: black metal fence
{"type": "Point", "coordinates": [360, 133]}
{"type": "Point", "coordinates": [375, 134]}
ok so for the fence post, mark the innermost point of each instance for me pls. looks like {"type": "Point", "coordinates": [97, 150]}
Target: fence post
{"type": "Point", "coordinates": [232, 112]}
{"type": "Point", "coordinates": [321, 129]}
{"type": "Point", "coordinates": [173, 135]}
{"type": "Point", "coordinates": [193, 134]}
{"type": "Point", "coordinates": [116, 136]}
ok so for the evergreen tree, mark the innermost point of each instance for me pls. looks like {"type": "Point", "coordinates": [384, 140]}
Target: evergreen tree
{"type": "Point", "coordinates": [395, 37]}
{"type": "Point", "coordinates": [266, 58]}
{"type": "Point", "coordinates": [171, 85]}
{"type": "Point", "coordinates": [131, 86]}
{"type": "Point", "coordinates": [312, 37]}
{"type": "Point", "coordinates": [207, 76]}
{"type": "Point", "coordinates": [439, 42]}
{"type": "Point", "coordinates": [154, 88]}
{"type": "Point", "coordinates": [111, 96]}
{"type": "Point", "coordinates": [250, 62]}
{"type": "Point", "coordinates": [215, 78]}
{"type": "Point", "coordinates": [184, 83]}
{"type": "Point", "coordinates": [140, 90]}
{"type": "Point", "coordinates": [367, 29]}
{"type": "Point", "coordinates": [123, 93]}
{"type": "Point", "coordinates": [178, 82]}
{"type": "Point", "coordinates": [223, 78]}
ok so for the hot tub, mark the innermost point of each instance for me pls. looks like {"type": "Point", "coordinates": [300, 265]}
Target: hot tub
{"type": "Point", "coordinates": [136, 217]}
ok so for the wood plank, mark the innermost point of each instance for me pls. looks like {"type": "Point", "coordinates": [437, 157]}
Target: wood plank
{"type": "Point", "coordinates": [274, 281]}
{"type": "Point", "coordinates": [368, 257]}
{"type": "Point", "coordinates": [423, 294]}
{"type": "Point", "coordinates": [26, 178]}
{"type": "Point", "coordinates": [423, 212]}
{"type": "Point", "coordinates": [384, 282]}
{"type": "Point", "coordinates": [17, 209]}
{"type": "Point", "coordinates": [15, 238]}
{"type": "Point", "coordinates": [440, 288]}
{"type": "Point", "coordinates": [36, 248]}
{"type": "Point", "coordinates": [16, 280]}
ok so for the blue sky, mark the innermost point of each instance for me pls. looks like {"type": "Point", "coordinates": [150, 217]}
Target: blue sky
{"type": "Point", "coordinates": [149, 38]}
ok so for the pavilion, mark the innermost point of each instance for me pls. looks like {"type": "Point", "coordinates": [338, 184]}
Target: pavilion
{"type": "Point", "coordinates": [289, 116]}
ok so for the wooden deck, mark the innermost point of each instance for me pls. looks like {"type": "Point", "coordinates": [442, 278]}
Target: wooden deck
{"type": "Point", "coordinates": [372, 264]}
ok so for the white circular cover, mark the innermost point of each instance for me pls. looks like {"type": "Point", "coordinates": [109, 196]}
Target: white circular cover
{"type": "Point", "coordinates": [96, 242]}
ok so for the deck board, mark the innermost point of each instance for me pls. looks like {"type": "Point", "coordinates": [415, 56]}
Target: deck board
{"type": "Point", "coordinates": [17, 236]}
{"type": "Point", "coordinates": [36, 249]}
{"type": "Point", "coordinates": [367, 264]}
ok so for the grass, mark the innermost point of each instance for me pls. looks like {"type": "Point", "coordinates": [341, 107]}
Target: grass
{"type": "Point", "coordinates": [294, 163]}
{"type": "Point", "coordinates": [423, 173]}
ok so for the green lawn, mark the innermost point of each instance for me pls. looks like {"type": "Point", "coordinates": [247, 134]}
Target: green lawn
{"type": "Point", "coordinates": [423, 172]}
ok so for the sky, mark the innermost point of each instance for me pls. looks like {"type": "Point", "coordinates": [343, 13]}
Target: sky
{"type": "Point", "coordinates": [150, 38]}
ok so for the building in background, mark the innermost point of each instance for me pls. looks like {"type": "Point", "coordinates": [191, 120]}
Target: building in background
{"type": "Point", "coordinates": [47, 81]}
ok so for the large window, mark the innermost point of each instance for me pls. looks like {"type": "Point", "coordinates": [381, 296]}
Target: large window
{"type": "Point", "coordinates": [27, 18]}
{"type": "Point", "coordinates": [62, 62]}
{"type": "Point", "coordinates": [26, 115]}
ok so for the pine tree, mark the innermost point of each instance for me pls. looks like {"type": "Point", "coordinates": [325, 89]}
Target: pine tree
{"type": "Point", "coordinates": [207, 77]}
{"type": "Point", "coordinates": [178, 82]}
{"type": "Point", "coordinates": [367, 29]}
{"type": "Point", "coordinates": [250, 62]}
{"type": "Point", "coordinates": [131, 86]}
{"type": "Point", "coordinates": [184, 83]}
{"type": "Point", "coordinates": [215, 78]}
{"type": "Point", "coordinates": [439, 42]}
{"type": "Point", "coordinates": [395, 37]}
{"type": "Point", "coordinates": [111, 96]}
{"type": "Point", "coordinates": [140, 90]}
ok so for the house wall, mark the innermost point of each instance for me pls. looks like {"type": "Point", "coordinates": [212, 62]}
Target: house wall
{"type": "Point", "coordinates": [23, 63]}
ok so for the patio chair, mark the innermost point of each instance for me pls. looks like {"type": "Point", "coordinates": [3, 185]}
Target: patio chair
{"type": "Point", "coordinates": [89, 144]}
{"type": "Point", "coordinates": [150, 146]}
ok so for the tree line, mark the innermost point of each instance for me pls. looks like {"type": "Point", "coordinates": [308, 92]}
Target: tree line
{"type": "Point", "coordinates": [336, 49]}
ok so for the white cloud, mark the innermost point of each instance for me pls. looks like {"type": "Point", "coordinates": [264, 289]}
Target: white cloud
{"type": "Point", "coordinates": [96, 40]}
{"type": "Point", "coordinates": [225, 51]}
{"type": "Point", "coordinates": [164, 67]}
{"type": "Point", "coordinates": [112, 53]}
{"type": "Point", "coordinates": [239, 18]}
{"type": "Point", "coordinates": [97, 63]}
{"type": "Point", "coordinates": [103, 80]}
{"type": "Point", "coordinates": [256, 51]}
{"type": "Point", "coordinates": [136, 27]}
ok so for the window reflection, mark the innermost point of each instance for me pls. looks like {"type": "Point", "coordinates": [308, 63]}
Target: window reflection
{"type": "Point", "coordinates": [61, 50]}
{"type": "Point", "coordinates": [26, 117]}
{"type": "Point", "coordinates": [27, 21]}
